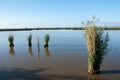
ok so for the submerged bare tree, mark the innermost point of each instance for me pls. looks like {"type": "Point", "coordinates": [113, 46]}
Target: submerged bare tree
{"type": "Point", "coordinates": [97, 43]}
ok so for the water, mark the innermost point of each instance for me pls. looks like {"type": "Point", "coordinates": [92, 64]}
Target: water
{"type": "Point", "coordinates": [64, 59]}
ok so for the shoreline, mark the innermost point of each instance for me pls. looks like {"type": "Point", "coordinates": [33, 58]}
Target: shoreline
{"type": "Point", "coordinates": [58, 28]}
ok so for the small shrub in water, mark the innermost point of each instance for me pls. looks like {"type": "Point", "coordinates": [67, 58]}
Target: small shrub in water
{"type": "Point", "coordinates": [11, 39]}
{"type": "Point", "coordinates": [29, 40]}
{"type": "Point", "coordinates": [46, 40]}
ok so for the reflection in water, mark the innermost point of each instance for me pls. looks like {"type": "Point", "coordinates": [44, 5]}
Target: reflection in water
{"type": "Point", "coordinates": [47, 52]}
{"type": "Point", "coordinates": [110, 72]}
{"type": "Point", "coordinates": [39, 56]}
{"type": "Point", "coordinates": [38, 53]}
{"type": "Point", "coordinates": [38, 50]}
{"type": "Point", "coordinates": [30, 51]}
{"type": "Point", "coordinates": [38, 42]}
{"type": "Point", "coordinates": [12, 51]}
{"type": "Point", "coordinates": [91, 77]}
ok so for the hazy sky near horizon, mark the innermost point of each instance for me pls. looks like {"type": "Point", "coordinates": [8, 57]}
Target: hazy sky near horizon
{"type": "Point", "coordinates": [54, 13]}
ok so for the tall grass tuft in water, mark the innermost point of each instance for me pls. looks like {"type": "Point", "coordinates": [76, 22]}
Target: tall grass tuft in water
{"type": "Point", "coordinates": [46, 40]}
{"type": "Point", "coordinates": [97, 43]}
{"type": "Point", "coordinates": [11, 39]}
{"type": "Point", "coordinates": [29, 38]}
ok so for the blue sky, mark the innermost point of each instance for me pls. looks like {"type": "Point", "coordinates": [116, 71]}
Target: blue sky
{"type": "Point", "coordinates": [54, 13]}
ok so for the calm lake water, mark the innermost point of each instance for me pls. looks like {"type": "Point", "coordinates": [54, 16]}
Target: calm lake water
{"type": "Point", "coordinates": [64, 59]}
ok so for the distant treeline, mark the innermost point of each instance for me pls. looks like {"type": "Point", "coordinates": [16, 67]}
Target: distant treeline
{"type": "Point", "coordinates": [57, 28]}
